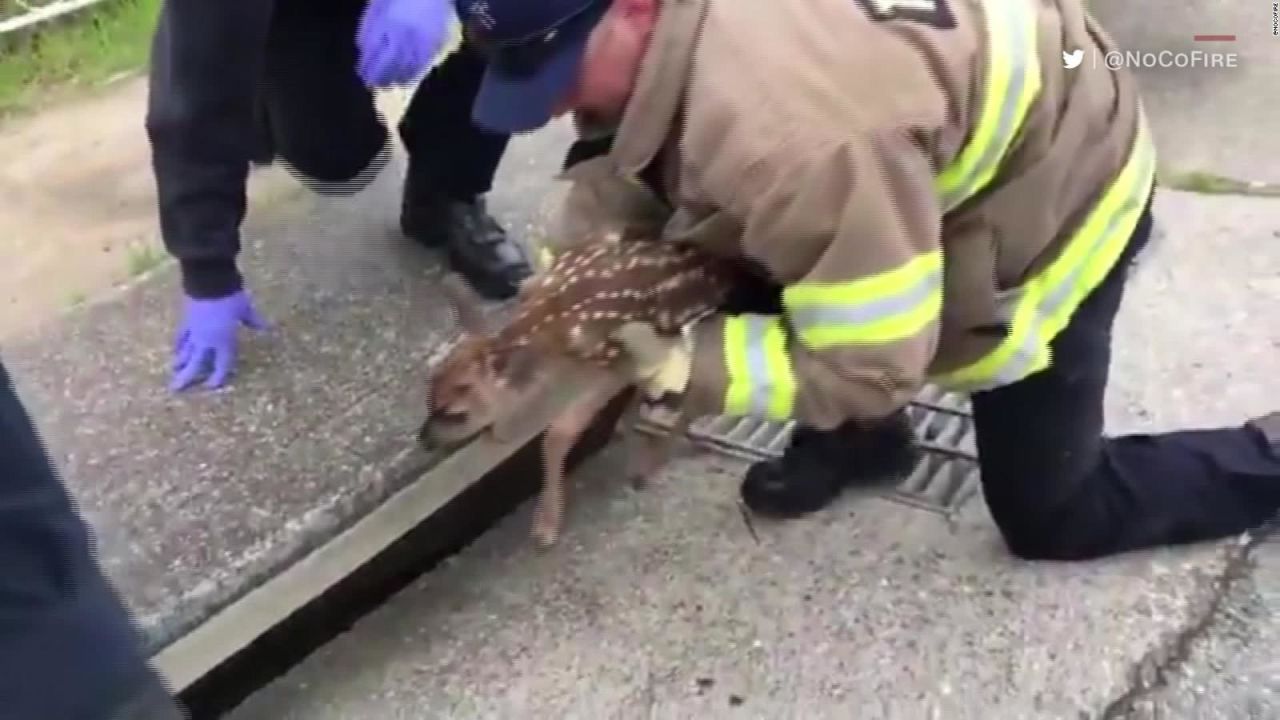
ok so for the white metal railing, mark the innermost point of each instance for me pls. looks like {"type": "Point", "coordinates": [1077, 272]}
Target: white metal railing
{"type": "Point", "coordinates": [37, 14]}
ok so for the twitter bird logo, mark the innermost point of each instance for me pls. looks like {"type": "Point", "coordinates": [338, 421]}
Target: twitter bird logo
{"type": "Point", "coordinates": [1071, 60]}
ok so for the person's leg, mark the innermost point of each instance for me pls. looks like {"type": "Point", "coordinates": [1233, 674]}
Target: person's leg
{"type": "Point", "coordinates": [68, 648]}
{"type": "Point", "coordinates": [322, 120]}
{"type": "Point", "coordinates": [449, 155]}
{"type": "Point", "coordinates": [1059, 489]}
{"type": "Point", "coordinates": [452, 163]}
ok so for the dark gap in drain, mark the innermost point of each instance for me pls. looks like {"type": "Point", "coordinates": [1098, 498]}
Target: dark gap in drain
{"type": "Point", "coordinates": [446, 532]}
{"type": "Point", "coordinates": [948, 469]}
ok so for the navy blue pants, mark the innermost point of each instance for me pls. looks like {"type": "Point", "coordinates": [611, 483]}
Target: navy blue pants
{"type": "Point", "coordinates": [68, 648]}
{"type": "Point", "coordinates": [1057, 487]}
{"type": "Point", "coordinates": [1061, 490]}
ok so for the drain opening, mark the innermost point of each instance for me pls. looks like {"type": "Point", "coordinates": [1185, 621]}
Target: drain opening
{"type": "Point", "coordinates": [945, 477]}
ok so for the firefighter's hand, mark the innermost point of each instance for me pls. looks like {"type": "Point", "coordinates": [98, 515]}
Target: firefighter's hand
{"type": "Point", "coordinates": [661, 363]}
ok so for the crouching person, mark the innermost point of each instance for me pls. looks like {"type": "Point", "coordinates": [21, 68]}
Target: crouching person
{"type": "Point", "coordinates": [937, 200]}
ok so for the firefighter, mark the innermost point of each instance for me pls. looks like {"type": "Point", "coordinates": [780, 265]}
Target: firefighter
{"type": "Point", "coordinates": [933, 198]}
{"type": "Point", "coordinates": [236, 81]}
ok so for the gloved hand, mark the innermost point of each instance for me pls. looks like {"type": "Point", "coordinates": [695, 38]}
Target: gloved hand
{"type": "Point", "coordinates": [208, 336]}
{"type": "Point", "coordinates": [662, 364]}
{"type": "Point", "coordinates": [396, 39]}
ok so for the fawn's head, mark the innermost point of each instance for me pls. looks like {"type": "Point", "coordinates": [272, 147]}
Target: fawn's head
{"type": "Point", "coordinates": [477, 385]}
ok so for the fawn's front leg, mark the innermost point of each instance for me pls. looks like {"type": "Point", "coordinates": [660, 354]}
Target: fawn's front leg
{"type": "Point", "coordinates": [629, 428]}
{"type": "Point", "coordinates": [645, 455]}
{"type": "Point", "coordinates": [597, 388]}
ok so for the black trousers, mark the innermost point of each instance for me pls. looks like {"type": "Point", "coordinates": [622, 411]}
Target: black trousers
{"type": "Point", "coordinates": [1058, 488]}
{"type": "Point", "coordinates": [323, 122]}
{"type": "Point", "coordinates": [68, 648]}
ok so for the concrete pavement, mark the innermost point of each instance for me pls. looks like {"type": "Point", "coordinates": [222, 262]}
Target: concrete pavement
{"type": "Point", "coordinates": [660, 604]}
{"type": "Point", "coordinates": [1232, 672]}
{"type": "Point", "coordinates": [1218, 120]}
{"type": "Point", "coordinates": [198, 498]}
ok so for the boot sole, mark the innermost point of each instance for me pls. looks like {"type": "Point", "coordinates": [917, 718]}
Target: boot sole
{"type": "Point", "coordinates": [809, 503]}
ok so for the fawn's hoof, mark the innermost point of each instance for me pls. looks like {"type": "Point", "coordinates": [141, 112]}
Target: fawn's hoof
{"type": "Point", "coordinates": [544, 537]}
{"type": "Point", "coordinates": [641, 469]}
{"type": "Point", "coordinates": [545, 530]}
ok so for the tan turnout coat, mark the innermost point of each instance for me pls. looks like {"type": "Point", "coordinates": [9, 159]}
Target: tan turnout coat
{"type": "Point", "coordinates": [809, 137]}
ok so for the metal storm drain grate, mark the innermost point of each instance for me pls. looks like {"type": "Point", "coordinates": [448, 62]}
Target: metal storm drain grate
{"type": "Point", "coordinates": [945, 477]}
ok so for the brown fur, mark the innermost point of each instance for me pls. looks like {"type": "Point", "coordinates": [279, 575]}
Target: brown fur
{"type": "Point", "coordinates": [566, 315]}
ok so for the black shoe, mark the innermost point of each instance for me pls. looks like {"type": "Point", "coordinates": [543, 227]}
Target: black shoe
{"type": "Point", "coordinates": [263, 153]}
{"type": "Point", "coordinates": [477, 245]}
{"type": "Point", "coordinates": [1269, 427]}
{"type": "Point", "coordinates": [818, 466]}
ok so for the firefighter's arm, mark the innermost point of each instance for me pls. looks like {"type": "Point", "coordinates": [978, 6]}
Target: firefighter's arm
{"type": "Point", "coordinates": [861, 322]}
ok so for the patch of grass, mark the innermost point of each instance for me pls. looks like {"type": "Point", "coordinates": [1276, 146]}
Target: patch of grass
{"type": "Point", "coordinates": [1210, 184]}
{"type": "Point", "coordinates": [84, 50]}
{"type": "Point", "coordinates": [142, 258]}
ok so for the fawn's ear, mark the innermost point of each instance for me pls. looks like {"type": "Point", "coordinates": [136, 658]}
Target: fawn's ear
{"type": "Point", "coordinates": [466, 303]}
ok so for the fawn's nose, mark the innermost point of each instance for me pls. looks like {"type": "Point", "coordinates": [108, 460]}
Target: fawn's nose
{"type": "Point", "coordinates": [424, 435]}
{"type": "Point", "coordinates": [438, 418]}
{"type": "Point", "coordinates": [448, 417]}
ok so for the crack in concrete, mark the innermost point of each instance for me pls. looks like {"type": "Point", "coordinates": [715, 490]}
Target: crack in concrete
{"type": "Point", "coordinates": [1152, 672]}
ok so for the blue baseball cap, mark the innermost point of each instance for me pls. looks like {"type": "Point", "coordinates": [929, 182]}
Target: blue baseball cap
{"type": "Point", "coordinates": [533, 49]}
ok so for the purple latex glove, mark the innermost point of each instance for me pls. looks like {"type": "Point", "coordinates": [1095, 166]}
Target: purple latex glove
{"type": "Point", "coordinates": [398, 38]}
{"type": "Point", "coordinates": [208, 336]}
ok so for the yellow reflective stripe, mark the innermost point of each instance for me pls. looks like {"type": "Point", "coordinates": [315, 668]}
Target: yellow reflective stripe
{"type": "Point", "coordinates": [1013, 81]}
{"type": "Point", "coordinates": [761, 382]}
{"type": "Point", "coordinates": [1107, 230]}
{"type": "Point", "coordinates": [883, 308]}
{"type": "Point", "coordinates": [1044, 305]}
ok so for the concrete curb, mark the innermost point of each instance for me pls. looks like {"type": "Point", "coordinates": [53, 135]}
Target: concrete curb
{"type": "Point", "coordinates": [444, 509]}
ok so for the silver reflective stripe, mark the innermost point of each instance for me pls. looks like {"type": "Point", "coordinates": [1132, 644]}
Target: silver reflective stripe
{"type": "Point", "coordinates": [1024, 357]}
{"type": "Point", "coordinates": [1022, 360]}
{"type": "Point", "coordinates": [863, 313]}
{"type": "Point", "coordinates": [1009, 27]}
{"type": "Point", "coordinates": [757, 364]}
{"type": "Point", "coordinates": [1057, 296]}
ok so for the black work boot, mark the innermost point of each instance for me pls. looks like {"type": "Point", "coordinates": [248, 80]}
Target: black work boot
{"type": "Point", "coordinates": [263, 153]}
{"type": "Point", "coordinates": [1269, 427]}
{"type": "Point", "coordinates": [477, 245]}
{"type": "Point", "coordinates": [817, 466]}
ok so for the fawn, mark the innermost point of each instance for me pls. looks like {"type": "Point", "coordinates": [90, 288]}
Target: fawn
{"type": "Point", "coordinates": [566, 315]}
